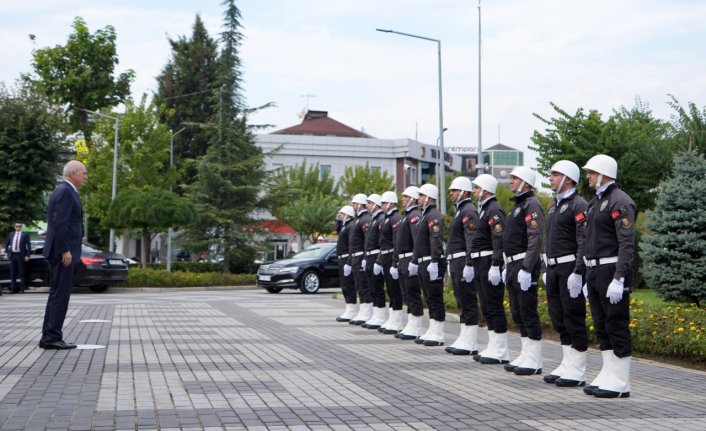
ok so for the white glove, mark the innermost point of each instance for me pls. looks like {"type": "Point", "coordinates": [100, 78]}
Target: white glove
{"type": "Point", "coordinates": [413, 268]}
{"type": "Point", "coordinates": [346, 270]}
{"type": "Point", "coordinates": [394, 272]}
{"type": "Point", "coordinates": [503, 275]}
{"type": "Point", "coordinates": [494, 275]}
{"type": "Point", "coordinates": [585, 291]}
{"type": "Point", "coordinates": [468, 273]}
{"type": "Point", "coordinates": [544, 279]}
{"type": "Point", "coordinates": [377, 269]}
{"type": "Point", "coordinates": [615, 290]}
{"type": "Point", "coordinates": [433, 270]}
{"type": "Point", "coordinates": [525, 280]}
{"type": "Point", "coordinates": [363, 264]}
{"type": "Point", "coordinates": [574, 283]}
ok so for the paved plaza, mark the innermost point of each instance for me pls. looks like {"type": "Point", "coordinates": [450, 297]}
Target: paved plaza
{"type": "Point", "coordinates": [246, 359]}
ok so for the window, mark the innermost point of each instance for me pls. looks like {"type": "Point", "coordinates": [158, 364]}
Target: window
{"type": "Point", "coordinates": [324, 171]}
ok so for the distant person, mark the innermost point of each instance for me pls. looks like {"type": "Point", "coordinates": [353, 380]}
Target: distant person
{"type": "Point", "coordinates": [63, 249]}
{"type": "Point", "coordinates": [18, 250]}
{"type": "Point", "coordinates": [42, 235]}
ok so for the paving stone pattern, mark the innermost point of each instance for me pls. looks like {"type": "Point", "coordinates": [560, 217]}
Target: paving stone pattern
{"type": "Point", "coordinates": [247, 359]}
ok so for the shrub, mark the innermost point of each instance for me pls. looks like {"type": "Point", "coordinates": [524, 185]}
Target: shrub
{"type": "Point", "coordinates": [138, 277]}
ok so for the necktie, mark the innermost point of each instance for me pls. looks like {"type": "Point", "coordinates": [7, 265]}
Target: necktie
{"type": "Point", "coordinates": [17, 242]}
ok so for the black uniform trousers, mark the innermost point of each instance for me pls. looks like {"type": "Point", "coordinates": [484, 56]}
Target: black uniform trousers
{"type": "Point", "coordinates": [434, 290]}
{"type": "Point", "coordinates": [568, 314]}
{"type": "Point", "coordinates": [466, 293]}
{"type": "Point", "coordinates": [347, 285]}
{"type": "Point", "coordinates": [523, 304]}
{"type": "Point", "coordinates": [412, 287]}
{"type": "Point", "coordinates": [62, 278]}
{"type": "Point", "coordinates": [18, 266]}
{"type": "Point", "coordinates": [393, 286]}
{"type": "Point", "coordinates": [611, 321]}
{"type": "Point", "coordinates": [491, 297]}
{"type": "Point", "coordinates": [376, 283]}
{"type": "Point", "coordinates": [362, 281]}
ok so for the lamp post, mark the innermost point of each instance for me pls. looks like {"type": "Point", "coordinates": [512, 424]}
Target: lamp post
{"type": "Point", "coordinates": [442, 182]}
{"type": "Point", "coordinates": [111, 241]}
{"type": "Point", "coordinates": [439, 168]}
{"type": "Point", "coordinates": [170, 231]}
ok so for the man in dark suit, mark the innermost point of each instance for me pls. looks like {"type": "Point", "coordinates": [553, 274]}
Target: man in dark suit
{"type": "Point", "coordinates": [18, 249]}
{"type": "Point", "coordinates": [62, 247]}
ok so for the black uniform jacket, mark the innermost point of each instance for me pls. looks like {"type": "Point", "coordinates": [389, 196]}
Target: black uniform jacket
{"type": "Point", "coordinates": [460, 232]}
{"type": "Point", "coordinates": [566, 230]}
{"type": "Point", "coordinates": [406, 232]}
{"type": "Point", "coordinates": [523, 233]}
{"type": "Point", "coordinates": [488, 232]}
{"type": "Point", "coordinates": [430, 238]}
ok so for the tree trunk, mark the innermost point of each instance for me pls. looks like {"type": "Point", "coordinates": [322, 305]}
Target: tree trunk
{"type": "Point", "coordinates": [145, 247]}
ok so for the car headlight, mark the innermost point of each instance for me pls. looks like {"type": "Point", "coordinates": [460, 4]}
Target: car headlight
{"type": "Point", "coordinates": [288, 270]}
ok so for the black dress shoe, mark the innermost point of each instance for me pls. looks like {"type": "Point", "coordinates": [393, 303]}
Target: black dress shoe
{"type": "Point", "coordinates": [41, 344]}
{"type": "Point", "coordinates": [58, 345]}
{"type": "Point", "coordinates": [342, 319]}
{"type": "Point", "coordinates": [450, 349]}
{"type": "Point", "coordinates": [461, 352]}
{"type": "Point", "coordinates": [604, 393]}
{"type": "Point", "coordinates": [551, 378]}
{"type": "Point", "coordinates": [566, 383]}
{"type": "Point", "coordinates": [588, 389]}
{"type": "Point", "coordinates": [492, 361]}
{"type": "Point", "coordinates": [432, 343]}
{"type": "Point", "coordinates": [519, 371]}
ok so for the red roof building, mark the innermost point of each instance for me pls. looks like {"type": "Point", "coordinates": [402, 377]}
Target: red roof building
{"type": "Point", "coordinates": [318, 123]}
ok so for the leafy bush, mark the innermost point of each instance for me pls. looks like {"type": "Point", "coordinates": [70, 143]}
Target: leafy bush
{"type": "Point", "coordinates": [198, 267]}
{"type": "Point", "coordinates": [138, 277]}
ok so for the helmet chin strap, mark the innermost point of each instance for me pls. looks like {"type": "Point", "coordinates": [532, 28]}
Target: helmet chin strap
{"type": "Point", "coordinates": [561, 184]}
{"type": "Point", "coordinates": [599, 180]}
{"type": "Point", "coordinates": [519, 189]}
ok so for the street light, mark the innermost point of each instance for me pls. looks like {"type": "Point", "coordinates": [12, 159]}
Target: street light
{"type": "Point", "coordinates": [442, 182]}
{"type": "Point", "coordinates": [439, 165]}
{"type": "Point", "coordinates": [170, 231]}
{"type": "Point", "coordinates": [115, 168]}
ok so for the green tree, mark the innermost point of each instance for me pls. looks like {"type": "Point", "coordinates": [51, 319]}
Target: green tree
{"type": "Point", "coordinates": [674, 251]}
{"type": "Point", "coordinates": [312, 215]}
{"type": "Point", "coordinates": [31, 144]}
{"type": "Point", "coordinates": [150, 210]}
{"type": "Point", "coordinates": [80, 74]}
{"type": "Point", "coordinates": [290, 183]}
{"type": "Point", "coordinates": [362, 179]}
{"type": "Point", "coordinates": [689, 125]}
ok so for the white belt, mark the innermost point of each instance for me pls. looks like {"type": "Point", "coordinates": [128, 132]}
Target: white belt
{"type": "Point", "coordinates": [343, 256]}
{"type": "Point", "coordinates": [600, 261]}
{"type": "Point", "coordinates": [372, 252]}
{"type": "Point", "coordinates": [477, 254]}
{"type": "Point", "coordinates": [424, 259]}
{"type": "Point", "coordinates": [514, 257]}
{"type": "Point", "coordinates": [389, 250]}
{"type": "Point", "coordinates": [551, 261]}
{"type": "Point", "coordinates": [403, 255]}
{"type": "Point", "coordinates": [359, 253]}
{"type": "Point", "coordinates": [456, 255]}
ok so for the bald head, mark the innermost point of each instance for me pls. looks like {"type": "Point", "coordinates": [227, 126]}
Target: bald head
{"type": "Point", "coordinates": [75, 173]}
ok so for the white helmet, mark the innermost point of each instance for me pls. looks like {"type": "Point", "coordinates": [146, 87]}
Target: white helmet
{"type": "Point", "coordinates": [389, 197]}
{"type": "Point", "coordinates": [570, 169]}
{"type": "Point", "coordinates": [461, 183]}
{"type": "Point", "coordinates": [429, 190]}
{"type": "Point", "coordinates": [604, 165]}
{"type": "Point", "coordinates": [347, 210]}
{"type": "Point", "coordinates": [526, 174]}
{"type": "Point", "coordinates": [487, 182]}
{"type": "Point", "coordinates": [375, 198]}
{"type": "Point", "coordinates": [412, 192]}
{"type": "Point", "coordinates": [360, 199]}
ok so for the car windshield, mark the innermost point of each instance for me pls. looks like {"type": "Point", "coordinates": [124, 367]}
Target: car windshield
{"type": "Point", "coordinates": [314, 251]}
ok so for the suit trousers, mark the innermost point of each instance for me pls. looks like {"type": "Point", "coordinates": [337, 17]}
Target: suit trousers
{"type": "Point", "coordinates": [377, 284]}
{"type": "Point", "coordinates": [347, 285]}
{"type": "Point", "coordinates": [568, 314]}
{"type": "Point", "coordinates": [410, 284]}
{"type": "Point", "coordinates": [18, 266]}
{"type": "Point", "coordinates": [393, 286]}
{"type": "Point", "coordinates": [491, 297]}
{"type": "Point", "coordinates": [466, 293]}
{"type": "Point", "coordinates": [611, 321]}
{"type": "Point", "coordinates": [434, 290]}
{"type": "Point", "coordinates": [58, 301]}
{"type": "Point", "coordinates": [523, 304]}
{"type": "Point", "coordinates": [362, 281]}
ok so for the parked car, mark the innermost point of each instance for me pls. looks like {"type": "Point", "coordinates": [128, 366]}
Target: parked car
{"type": "Point", "coordinates": [97, 269]}
{"type": "Point", "coordinates": [309, 270]}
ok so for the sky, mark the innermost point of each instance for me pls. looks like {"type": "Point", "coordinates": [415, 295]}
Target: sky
{"type": "Point", "coordinates": [601, 55]}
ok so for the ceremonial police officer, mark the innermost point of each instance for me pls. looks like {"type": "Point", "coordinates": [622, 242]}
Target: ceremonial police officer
{"type": "Point", "coordinates": [355, 259]}
{"type": "Point", "coordinates": [564, 248]}
{"type": "Point", "coordinates": [372, 252]}
{"type": "Point", "coordinates": [486, 258]}
{"type": "Point", "coordinates": [404, 246]}
{"type": "Point", "coordinates": [522, 244]}
{"type": "Point", "coordinates": [343, 223]}
{"type": "Point", "coordinates": [396, 319]}
{"type": "Point", "coordinates": [609, 253]}
{"type": "Point", "coordinates": [461, 232]}
{"type": "Point", "coordinates": [430, 263]}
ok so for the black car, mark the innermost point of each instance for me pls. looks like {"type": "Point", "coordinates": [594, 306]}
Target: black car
{"type": "Point", "coordinates": [309, 270]}
{"type": "Point", "coordinates": [96, 270]}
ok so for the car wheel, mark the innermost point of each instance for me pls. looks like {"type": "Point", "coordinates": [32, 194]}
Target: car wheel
{"type": "Point", "coordinates": [274, 289]}
{"type": "Point", "coordinates": [99, 289]}
{"type": "Point", "coordinates": [311, 282]}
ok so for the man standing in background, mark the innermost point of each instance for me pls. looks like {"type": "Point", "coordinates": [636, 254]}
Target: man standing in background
{"type": "Point", "coordinates": [18, 250]}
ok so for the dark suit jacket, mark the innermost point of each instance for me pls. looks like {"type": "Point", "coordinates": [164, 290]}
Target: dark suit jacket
{"type": "Point", "coordinates": [64, 223]}
{"type": "Point", "coordinates": [25, 245]}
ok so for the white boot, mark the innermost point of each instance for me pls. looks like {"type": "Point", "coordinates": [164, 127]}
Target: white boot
{"type": "Point", "coordinates": [388, 321]}
{"type": "Point", "coordinates": [348, 314]}
{"type": "Point", "coordinates": [521, 357]}
{"type": "Point", "coordinates": [488, 348]}
{"type": "Point", "coordinates": [364, 314]}
{"type": "Point", "coordinates": [617, 384]}
{"type": "Point", "coordinates": [532, 364]}
{"type": "Point", "coordinates": [409, 318]}
{"type": "Point", "coordinates": [563, 366]}
{"type": "Point", "coordinates": [427, 333]}
{"type": "Point", "coordinates": [604, 374]}
{"type": "Point", "coordinates": [575, 374]}
{"type": "Point", "coordinates": [452, 348]}
{"type": "Point", "coordinates": [397, 322]}
{"type": "Point", "coordinates": [499, 353]}
{"type": "Point", "coordinates": [436, 336]}
{"type": "Point", "coordinates": [413, 329]}
{"type": "Point", "coordinates": [469, 343]}
{"type": "Point", "coordinates": [377, 319]}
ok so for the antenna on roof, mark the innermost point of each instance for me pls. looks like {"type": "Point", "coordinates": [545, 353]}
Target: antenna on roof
{"type": "Point", "coordinates": [308, 96]}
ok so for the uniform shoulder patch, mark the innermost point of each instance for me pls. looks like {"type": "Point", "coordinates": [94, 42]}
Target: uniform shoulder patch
{"type": "Point", "coordinates": [365, 227]}
{"type": "Point", "coordinates": [414, 220]}
{"type": "Point", "coordinates": [465, 220]}
{"type": "Point", "coordinates": [579, 217]}
{"type": "Point", "coordinates": [625, 223]}
{"type": "Point", "coordinates": [494, 219]}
